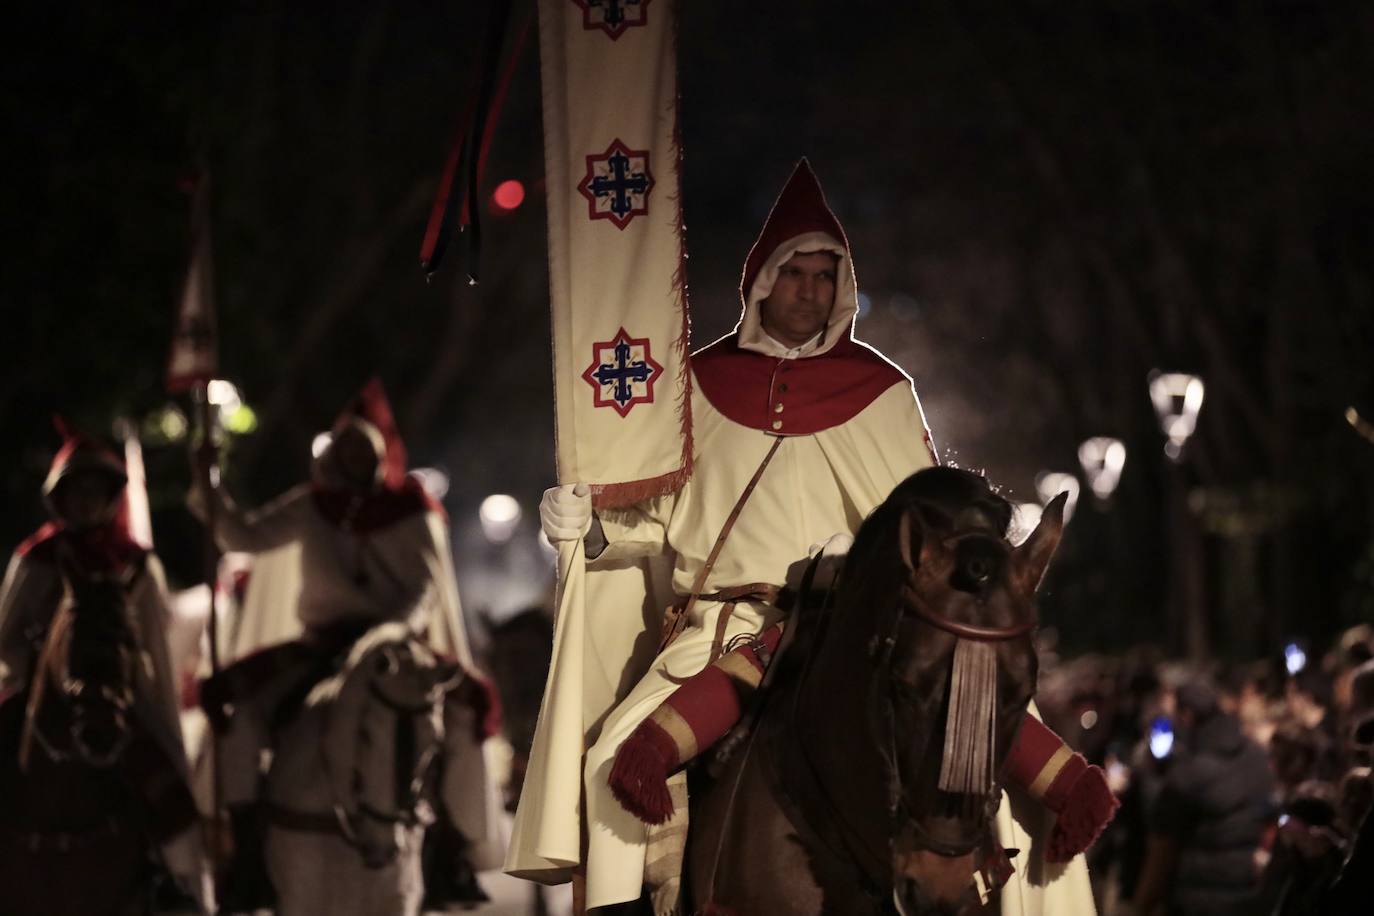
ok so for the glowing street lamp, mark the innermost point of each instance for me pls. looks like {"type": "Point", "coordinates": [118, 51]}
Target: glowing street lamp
{"type": "Point", "coordinates": [1177, 397]}
{"type": "Point", "coordinates": [1023, 522]}
{"type": "Point", "coordinates": [1049, 484]}
{"type": "Point", "coordinates": [1102, 458]}
{"type": "Point", "coordinates": [320, 444]}
{"type": "Point", "coordinates": [234, 415]}
{"type": "Point", "coordinates": [499, 515]}
{"type": "Point", "coordinates": [434, 482]}
{"type": "Point", "coordinates": [224, 395]}
{"type": "Point", "coordinates": [1359, 423]}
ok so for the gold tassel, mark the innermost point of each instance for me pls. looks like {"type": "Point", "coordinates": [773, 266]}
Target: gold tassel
{"type": "Point", "coordinates": [971, 720]}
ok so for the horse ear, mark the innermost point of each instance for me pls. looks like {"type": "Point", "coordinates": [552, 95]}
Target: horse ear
{"type": "Point", "coordinates": [1032, 558]}
{"type": "Point", "coordinates": [913, 540]}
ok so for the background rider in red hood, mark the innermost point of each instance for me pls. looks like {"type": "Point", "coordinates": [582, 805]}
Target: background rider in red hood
{"type": "Point", "coordinates": [86, 549]}
{"type": "Point", "coordinates": [373, 548]}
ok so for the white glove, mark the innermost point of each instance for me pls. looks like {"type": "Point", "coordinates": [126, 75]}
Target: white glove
{"type": "Point", "coordinates": [565, 512]}
{"type": "Point", "coordinates": [831, 552]}
{"type": "Point", "coordinates": [837, 545]}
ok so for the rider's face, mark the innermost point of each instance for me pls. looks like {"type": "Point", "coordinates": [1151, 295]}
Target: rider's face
{"type": "Point", "coordinates": [85, 499]}
{"type": "Point", "coordinates": [799, 305]}
{"type": "Point", "coordinates": [356, 457]}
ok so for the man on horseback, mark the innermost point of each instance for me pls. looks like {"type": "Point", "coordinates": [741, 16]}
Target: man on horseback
{"type": "Point", "coordinates": [800, 431]}
{"type": "Point", "coordinates": [372, 548]}
{"type": "Point", "coordinates": [88, 700]}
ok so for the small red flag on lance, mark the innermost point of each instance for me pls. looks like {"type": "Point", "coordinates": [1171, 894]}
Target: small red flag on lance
{"type": "Point", "coordinates": [192, 366]}
{"type": "Point", "coordinates": [621, 381]}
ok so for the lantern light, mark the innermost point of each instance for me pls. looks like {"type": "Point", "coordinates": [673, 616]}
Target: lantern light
{"type": "Point", "coordinates": [1023, 521]}
{"type": "Point", "coordinates": [1177, 397]}
{"type": "Point", "coordinates": [434, 481]}
{"type": "Point", "coordinates": [499, 515]}
{"type": "Point", "coordinates": [1049, 484]}
{"type": "Point", "coordinates": [1102, 458]}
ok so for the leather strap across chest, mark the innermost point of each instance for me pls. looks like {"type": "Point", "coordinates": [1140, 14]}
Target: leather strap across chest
{"type": "Point", "coordinates": [678, 615]}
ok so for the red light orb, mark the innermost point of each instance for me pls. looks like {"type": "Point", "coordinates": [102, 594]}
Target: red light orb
{"type": "Point", "coordinates": [508, 195]}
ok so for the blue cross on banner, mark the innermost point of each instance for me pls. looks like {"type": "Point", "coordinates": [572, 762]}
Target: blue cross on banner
{"type": "Point", "coordinates": [617, 184]}
{"type": "Point", "coordinates": [612, 16]}
{"type": "Point", "coordinates": [622, 373]}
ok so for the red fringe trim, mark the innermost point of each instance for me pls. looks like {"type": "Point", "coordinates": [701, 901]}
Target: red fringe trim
{"type": "Point", "coordinates": [617, 495]}
{"type": "Point", "coordinates": [639, 776]}
{"type": "Point", "coordinates": [1089, 808]}
{"type": "Point", "coordinates": [684, 341]}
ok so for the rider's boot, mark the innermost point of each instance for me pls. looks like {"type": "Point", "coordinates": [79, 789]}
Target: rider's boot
{"type": "Point", "coordinates": [245, 886]}
{"type": "Point", "coordinates": [448, 873]}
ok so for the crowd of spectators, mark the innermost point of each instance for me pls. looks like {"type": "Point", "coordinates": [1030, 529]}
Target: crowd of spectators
{"type": "Point", "coordinates": [1244, 788]}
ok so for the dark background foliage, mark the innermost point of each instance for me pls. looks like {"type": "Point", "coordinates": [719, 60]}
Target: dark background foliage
{"type": "Point", "coordinates": [1046, 201]}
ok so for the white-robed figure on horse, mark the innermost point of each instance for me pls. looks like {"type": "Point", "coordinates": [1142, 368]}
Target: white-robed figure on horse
{"type": "Point", "coordinates": [799, 432]}
{"type": "Point", "coordinates": [815, 425]}
{"type": "Point", "coordinates": [360, 545]}
{"type": "Point", "coordinates": [93, 779]}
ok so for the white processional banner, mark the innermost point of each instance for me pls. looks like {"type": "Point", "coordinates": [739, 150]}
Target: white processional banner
{"type": "Point", "coordinates": [620, 341]}
{"type": "Point", "coordinates": [620, 328]}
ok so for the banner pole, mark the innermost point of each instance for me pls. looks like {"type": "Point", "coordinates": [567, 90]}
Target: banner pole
{"type": "Point", "coordinates": [208, 459]}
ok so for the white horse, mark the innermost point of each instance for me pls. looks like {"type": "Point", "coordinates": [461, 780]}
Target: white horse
{"type": "Point", "coordinates": [350, 783]}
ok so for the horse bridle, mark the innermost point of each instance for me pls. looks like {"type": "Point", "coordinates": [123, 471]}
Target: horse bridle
{"type": "Point", "coordinates": [882, 710]}
{"type": "Point", "coordinates": [914, 604]}
{"type": "Point", "coordinates": [410, 810]}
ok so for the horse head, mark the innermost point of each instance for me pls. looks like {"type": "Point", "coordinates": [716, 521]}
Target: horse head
{"type": "Point", "coordinates": [383, 732]}
{"type": "Point", "coordinates": [953, 670]}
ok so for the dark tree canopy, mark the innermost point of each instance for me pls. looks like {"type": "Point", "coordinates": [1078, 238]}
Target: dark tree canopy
{"type": "Point", "coordinates": [1046, 202]}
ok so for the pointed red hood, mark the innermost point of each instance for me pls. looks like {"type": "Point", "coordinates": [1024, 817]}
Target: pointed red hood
{"type": "Point", "coordinates": [800, 220]}
{"type": "Point", "coordinates": [103, 548]}
{"type": "Point", "coordinates": [741, 374]}
{"type": "Point", "coordinates": [372, 407]}
{"type": "Point", "coordinates": [398, 495]}
{"type": "Point", "coordinates": [79, 452]}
